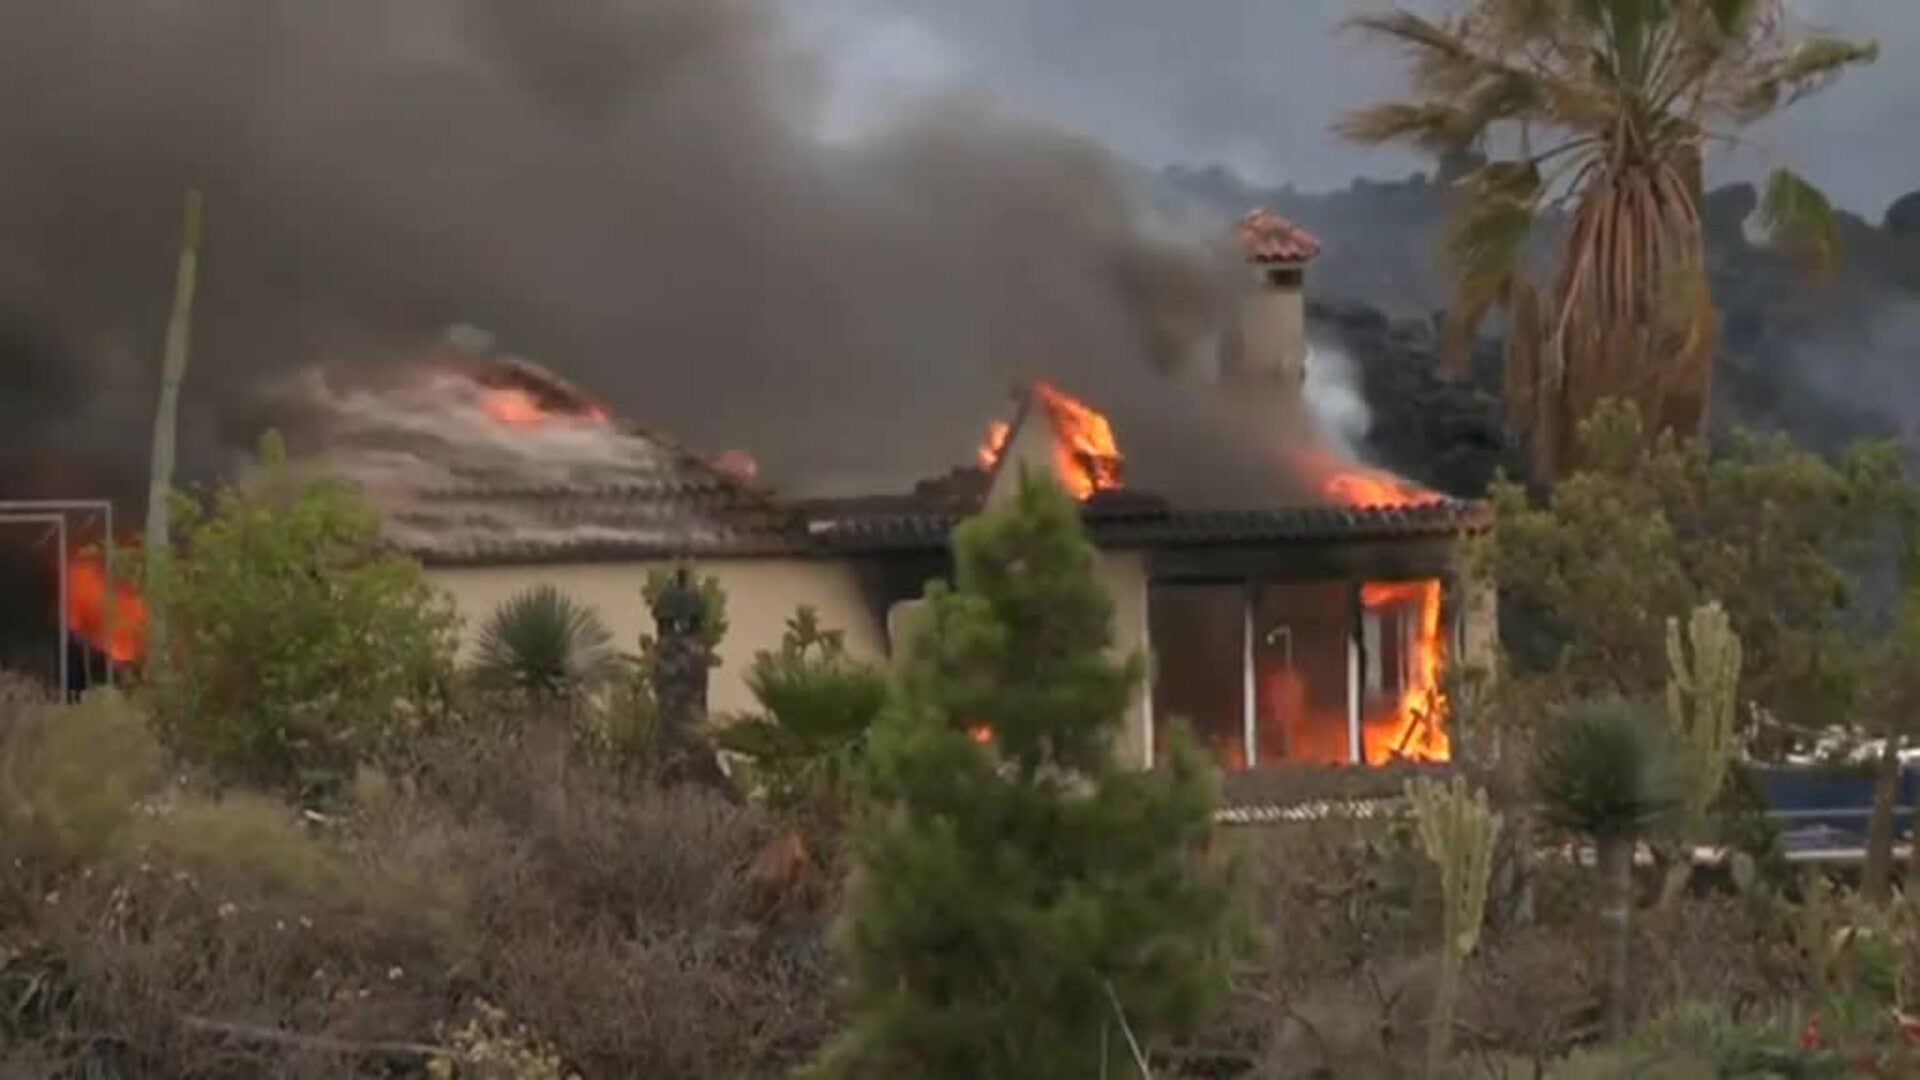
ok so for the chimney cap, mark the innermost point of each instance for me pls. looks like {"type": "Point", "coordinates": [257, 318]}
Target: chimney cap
{"type": "Point", "coordinates": [1270, 238]}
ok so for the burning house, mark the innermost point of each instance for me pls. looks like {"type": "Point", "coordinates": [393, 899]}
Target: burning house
{"type": "Point", "coordinates": [1305, 619]}
{"type": "Point", "coordinates": [1311, 629]}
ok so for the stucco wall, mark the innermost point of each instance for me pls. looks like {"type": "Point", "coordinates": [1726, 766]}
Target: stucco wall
{"type": "Point", "coordinates": [761, 595]}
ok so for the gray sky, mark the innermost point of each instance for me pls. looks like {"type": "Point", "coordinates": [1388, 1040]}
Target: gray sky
{"type": "Point", "coordinates": [1254, 83]}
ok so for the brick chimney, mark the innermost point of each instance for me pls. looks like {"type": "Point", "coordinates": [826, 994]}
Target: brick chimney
{"type": "Point", "coordinates": [1273, 319]}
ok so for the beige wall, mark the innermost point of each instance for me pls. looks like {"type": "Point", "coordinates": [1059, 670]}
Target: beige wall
{"type": "Point", "coordinates": [1126, 577]}
{"type": "Point", "coordinates": [761, 595]}
{"type": "Point", "coordinates": [1273, 335]}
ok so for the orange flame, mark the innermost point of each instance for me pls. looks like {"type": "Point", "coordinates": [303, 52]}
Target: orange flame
{"type": "Point", "coordinates": [126, 640]}
{"type": "Point", "coordinates": [1414, 728]}
{"type": "Point", "coordinates": [998, 433]}
{"type": "Point", "coordinates": [515, 407]}
{"type": "Point", "coordinates": [981, 734]}
{"type": "Point", "coordinates": [1086, 456]}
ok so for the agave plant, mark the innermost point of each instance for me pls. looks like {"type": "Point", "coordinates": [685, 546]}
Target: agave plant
{"type": "Point", "coordinates": [1603, 111]}
{"type": "Point", "coordinates": [1606, 770]}
{"type": "Point", "coordinates": [544, 643]}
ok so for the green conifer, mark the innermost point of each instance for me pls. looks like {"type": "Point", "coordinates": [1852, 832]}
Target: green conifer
{"type": "Point", "coordinates": [1014, 883]}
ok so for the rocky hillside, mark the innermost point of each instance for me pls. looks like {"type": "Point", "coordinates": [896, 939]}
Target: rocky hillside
{"type": "Point", "coordinates": [1826, 361]}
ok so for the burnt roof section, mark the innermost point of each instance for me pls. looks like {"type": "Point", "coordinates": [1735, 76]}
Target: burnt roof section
{"type": "Point", "coordinates": [1269, 238]}
{"type": "Point", "coordinates": [457, 485]}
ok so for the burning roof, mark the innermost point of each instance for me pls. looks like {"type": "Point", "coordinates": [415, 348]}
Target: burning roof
{"type": "Point", "coordinates": [1268, 237]}
{"type": "Point", "coordinates": [501, 460]}
{"type": "Point", "coordinates": [484, 460]}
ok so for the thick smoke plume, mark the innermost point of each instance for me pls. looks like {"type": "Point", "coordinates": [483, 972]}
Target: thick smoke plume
{"type": "Point", "coordinates": [627, 190]}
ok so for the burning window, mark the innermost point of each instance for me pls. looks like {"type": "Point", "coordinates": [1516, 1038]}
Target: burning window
{"type": "Point", "coordinates": [1300, 671]}
{"type": "Point", "coordinates": [1307, 672]}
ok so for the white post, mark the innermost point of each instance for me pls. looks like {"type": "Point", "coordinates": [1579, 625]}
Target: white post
{"type": "Point", "coordinates": [1249, 706]}
{"type": "Point", "coordinates": [1153, 675]}
{"type": "Point", "coordinates": [1356, 748]}
{"type": "Point", "coordinates": [60, 538]}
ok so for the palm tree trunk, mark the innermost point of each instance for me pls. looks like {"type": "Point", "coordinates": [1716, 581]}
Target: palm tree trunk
{"type": "Point", "coordinates": [1615, 857]}
{"type": "Point", "coordinates": [173, 372]}
{"type": "Point", "coordinates": [1876, 877]}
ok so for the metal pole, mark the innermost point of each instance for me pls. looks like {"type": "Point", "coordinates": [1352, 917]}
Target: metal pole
{"type": "Point", "coordinates": [106, 604]}
{"type": "Point", "coordinates": [66, 647]}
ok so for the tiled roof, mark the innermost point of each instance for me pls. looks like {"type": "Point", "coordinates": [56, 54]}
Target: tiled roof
{"type": "Point", "coordinates": [1268, 237]}
{"type": "Point", "coordinates": [879, 525]}
{"type": "Point", "coordinates": [454, 484]}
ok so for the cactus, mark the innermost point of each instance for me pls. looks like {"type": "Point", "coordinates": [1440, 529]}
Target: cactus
{"type": "Point", "coordinates": [1702, 694]}
{"type": "Point", "coordinates": [1456, 830]}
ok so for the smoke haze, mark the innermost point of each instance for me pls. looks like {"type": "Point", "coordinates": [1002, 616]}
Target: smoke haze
{"type": "Point", "coordinates": [634, 192]}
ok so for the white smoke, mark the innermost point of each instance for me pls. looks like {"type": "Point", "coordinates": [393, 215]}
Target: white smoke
{"type": "Point", "coordinates": [1334, 399]}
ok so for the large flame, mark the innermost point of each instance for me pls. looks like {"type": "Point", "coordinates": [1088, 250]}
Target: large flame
{"type": "Point", "coordinates": [1414, 726]}
{"type": "Point", "coordinates": [1086, 456]}
{"type": "Point", "coordinates": [125, 640]}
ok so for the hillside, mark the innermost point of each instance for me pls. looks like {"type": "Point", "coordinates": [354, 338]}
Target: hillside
{"type": "Point", "coordinates": [1827, 362]}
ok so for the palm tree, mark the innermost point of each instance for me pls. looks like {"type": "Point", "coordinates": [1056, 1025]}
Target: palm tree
{"type": "Point", "coordinates": [1604, 771]}
{"type": "Point", "coordinates": [545, 644]}
{"type": "Point", "coordinates": [1603, 109]}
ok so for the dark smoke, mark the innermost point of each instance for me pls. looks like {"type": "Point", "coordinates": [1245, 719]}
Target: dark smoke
{"type": "Point", "coordinates": [626, 190]}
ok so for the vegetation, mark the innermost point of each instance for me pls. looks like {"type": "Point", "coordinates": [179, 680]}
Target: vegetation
{"type": "Point", "coordinates": [1021, 904]}
{"type": "Point", "coordinates": [1456, 831]}
{"type": "Point", "coordinates": [1606, 773]}
{"type": "Point", "coordinates": [1601, 110]}
{"type": "Point", "coordinates": [299, 649]}
{"type": "Point", "coordinates": [544, 643]}
{"type": "Point", "coordinates": [804, 754]}
{"type": "Point", "coordinates": [1647, 531]}
{"type": "Point", "coordinates": [1702, 699]}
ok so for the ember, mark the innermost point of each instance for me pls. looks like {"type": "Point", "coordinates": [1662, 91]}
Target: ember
{"type": "Point", "coordinates": [518, 408]}
{"type": "Point", "coordinates": [124, 641]}
{"type": "Point", "coordinates": [1086, 456]}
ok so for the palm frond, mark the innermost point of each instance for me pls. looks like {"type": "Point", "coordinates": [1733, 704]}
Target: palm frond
{"type": "Point", "coordinates": [1734, 17]}
{"type": "Point", "coordinates": [1414, 32]}
{"type": "Point", "coordinates": [1810, 66]}
{"type": "Point", "coordinates": [1489, 231]}
{"type": "Point", "coordinates": [1797, 216]}
{"type": "Point", "coordinates": [544, 642]}
{"type": "Point", "coordinates": [1430, 126]}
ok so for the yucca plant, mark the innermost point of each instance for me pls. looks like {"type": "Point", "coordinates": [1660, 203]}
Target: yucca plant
{"type": "Point", "coordinates": [1606, 771]}
{"type": "Point", "coordinates": [1599, 113]}
{"type": "Point", "coordinates": [543, 643]}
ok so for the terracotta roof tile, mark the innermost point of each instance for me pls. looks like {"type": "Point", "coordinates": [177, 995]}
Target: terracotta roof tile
{"type": "Point", "coordinates": [1268, 237]}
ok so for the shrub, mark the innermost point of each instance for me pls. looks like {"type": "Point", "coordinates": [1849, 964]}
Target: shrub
{"type": "Point", "coordinates": [544, 643]}
{"type": "Point", "coordinates": [69, 779]}
{"type": "Point", "coordinates": [298, 647]}
{"type": "Point", "coordinates": [820, 704]}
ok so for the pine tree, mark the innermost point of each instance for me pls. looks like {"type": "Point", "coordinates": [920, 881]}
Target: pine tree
{"type": "Point", "coordinates": [1015, 889]}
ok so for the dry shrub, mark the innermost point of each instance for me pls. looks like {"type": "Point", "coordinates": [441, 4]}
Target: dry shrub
{"type": "Point", "coordinates": [187, 935]}
{"type": "Point", "coordinates": [70, 777]}
{"type": "Point", "coordinates": [1342, 981]}
{"type": "Point", "coordinates": [619, 922]}
{"type": "Point", "coordinates": [233, 912]}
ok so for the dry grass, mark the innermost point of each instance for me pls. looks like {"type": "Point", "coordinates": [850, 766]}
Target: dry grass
{"type": "Point", "coordinates": [180, 934]}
